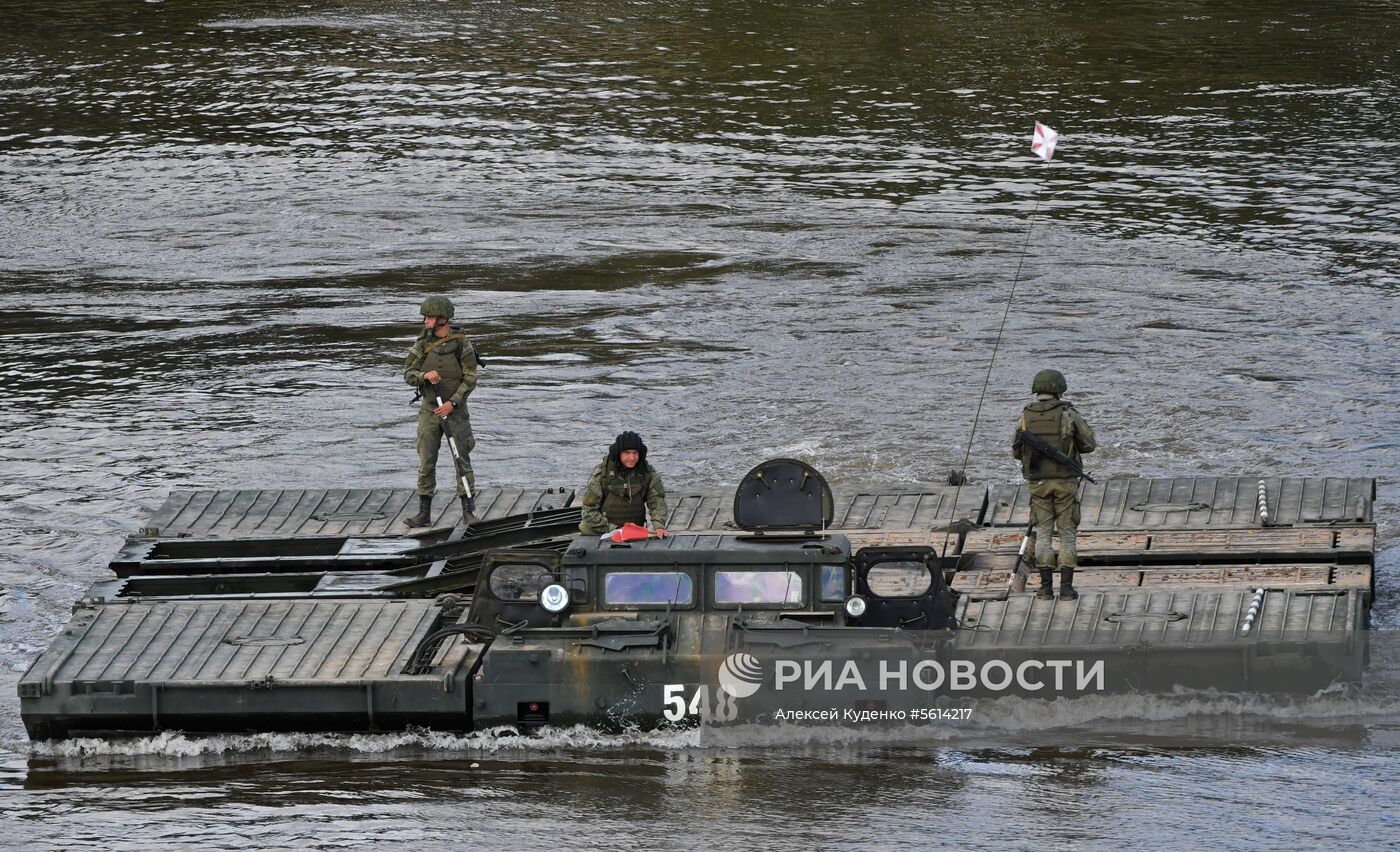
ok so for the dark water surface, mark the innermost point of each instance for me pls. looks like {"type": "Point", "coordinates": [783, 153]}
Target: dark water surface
{"type": "Point", "coordinates": [744, 229]}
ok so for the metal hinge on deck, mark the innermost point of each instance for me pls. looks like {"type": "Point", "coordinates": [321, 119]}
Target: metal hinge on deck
{"type": "Point", "coordinates": [266, 682]}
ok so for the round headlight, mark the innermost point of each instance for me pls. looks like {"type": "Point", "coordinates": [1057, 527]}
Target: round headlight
{"type": "Point", "coordinates": [855, 606]}
{"type": "Point", "coordinates": [554, 598]}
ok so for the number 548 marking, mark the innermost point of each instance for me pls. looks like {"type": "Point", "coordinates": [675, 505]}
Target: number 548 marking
{"type": "Point", "coordinates": [676, 708]}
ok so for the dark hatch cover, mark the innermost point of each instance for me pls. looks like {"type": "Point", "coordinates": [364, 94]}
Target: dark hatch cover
{"type": "Point", "coordinates": [783, 494]}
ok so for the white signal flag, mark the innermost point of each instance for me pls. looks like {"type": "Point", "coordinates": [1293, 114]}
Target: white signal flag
{"type": "Point", "coordinates": [1043, 141]}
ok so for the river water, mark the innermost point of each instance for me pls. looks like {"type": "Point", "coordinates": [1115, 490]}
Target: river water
{"type": "Point", "coordinates": [744, 230]}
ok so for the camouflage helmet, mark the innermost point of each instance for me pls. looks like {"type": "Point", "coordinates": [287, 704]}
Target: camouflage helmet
{"type": "Point", "coordinates": [1049, 381]}
{"type": "Point", "coordinates": [436, 306]}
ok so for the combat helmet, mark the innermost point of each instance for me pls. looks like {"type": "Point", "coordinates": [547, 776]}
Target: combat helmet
{"type": "Point", "coordinates": [436, 306]}
{"type": "Point", "coordinates": [1049, 381]}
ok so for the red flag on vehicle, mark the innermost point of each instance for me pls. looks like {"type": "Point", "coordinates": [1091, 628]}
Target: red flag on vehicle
{"type": "Point", "coordinates": [627, 532]}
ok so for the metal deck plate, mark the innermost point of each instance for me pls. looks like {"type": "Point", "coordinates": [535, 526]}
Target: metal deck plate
{"type": "Point", "coordinates": [285, 513]}
{"type": "Point", "coordinates": [1200, 503]}
{"type": "Point", "coordinates": [924, 509]}
{"type": "Point", "coordinates": [1169, 616]}
{"type": "Point", "coordinates": [1309, 575]}
{"type": "Point", "coordinates": [235, 641]}
{"type": "Point", "coordinates": [245, 664]}
{"type": "Point", "coordinates": [1175, 545]}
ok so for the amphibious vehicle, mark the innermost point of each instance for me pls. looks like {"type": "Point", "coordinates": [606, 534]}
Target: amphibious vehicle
{"type": "Point", "coordinates": [259, 610]}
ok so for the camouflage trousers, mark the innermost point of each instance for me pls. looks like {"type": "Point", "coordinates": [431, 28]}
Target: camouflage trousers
{"type": "Point", "coordinates": [1055, 508]}
{"type": "Point", "coordinates": [430, 443]}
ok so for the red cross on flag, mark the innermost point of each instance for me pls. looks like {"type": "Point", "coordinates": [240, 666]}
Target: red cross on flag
{"type": "Point", "coordinates": [1043, 141]}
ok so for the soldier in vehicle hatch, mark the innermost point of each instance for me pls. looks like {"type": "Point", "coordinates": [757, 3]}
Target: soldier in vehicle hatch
{"type": "Point", "coordinates": [1054, 482]}
{"type": "Point", "coordinates": [625, 488]}
{"type": "Point", "coordinates": [443, 357]}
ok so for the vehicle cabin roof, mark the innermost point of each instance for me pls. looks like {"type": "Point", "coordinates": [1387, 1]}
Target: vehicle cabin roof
{"type": "Point", "coordinates": [710, 549]}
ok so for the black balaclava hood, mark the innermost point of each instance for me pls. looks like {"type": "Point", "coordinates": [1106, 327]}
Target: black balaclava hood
{"type": "Point", "coordinates": [627, 441]}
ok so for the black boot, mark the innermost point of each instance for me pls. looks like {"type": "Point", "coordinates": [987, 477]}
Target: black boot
{"type": "Point", "coordinates": [1047, 587]}
{"type": "Point", "coordinates": [1067, 592]}
{"type": "Point", "coordinates": [469, 510]}
{"type": "Point", "coordinates": [425, 512]}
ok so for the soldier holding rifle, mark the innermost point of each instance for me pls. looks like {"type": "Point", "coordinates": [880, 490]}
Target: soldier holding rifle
{"type": "Point", "coordinates": [442, 366]}
{"type": "Point", "coordinates": [1048, 440]}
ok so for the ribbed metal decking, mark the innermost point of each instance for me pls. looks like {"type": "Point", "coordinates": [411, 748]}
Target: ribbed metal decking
{"type": "Point", "coordinates": [286, 664]}
{"type": "Point", "coordinates": [925, 509]}
{"type": "Point", "coordinates": [1120, 504]}
{"type": "Point", "coordinates": [1157, 617]}
{"type": "Point", "coordinates": [295, 512]}
{"type": "Point", "coordinates": [1199, 503]}
{"type": "Point", "coordinates": [236, 642]}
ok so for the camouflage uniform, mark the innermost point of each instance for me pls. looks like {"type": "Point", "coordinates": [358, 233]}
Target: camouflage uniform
{"type": "Point", "coordinates": [1054, 487]}
{"type": "Point", "coordinates": [616, 496]}
{"type": "Point", "coordinates": [455, 361]}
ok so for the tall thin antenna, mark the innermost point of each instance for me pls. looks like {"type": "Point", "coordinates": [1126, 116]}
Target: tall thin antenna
{"type": "Point", "coordinates": [1043, 145]}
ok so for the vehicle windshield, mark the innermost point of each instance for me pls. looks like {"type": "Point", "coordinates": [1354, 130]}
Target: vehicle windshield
{"type": "Point", "coordinates": [758, 587]}
{"type": "Point", "coordinates": [648, 587]}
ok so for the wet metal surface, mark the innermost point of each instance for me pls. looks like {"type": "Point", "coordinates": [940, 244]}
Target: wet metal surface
{"type": "Point", "coordinates": [1218, 502]}
{"type": "Point", "coordinates": [278, 512]}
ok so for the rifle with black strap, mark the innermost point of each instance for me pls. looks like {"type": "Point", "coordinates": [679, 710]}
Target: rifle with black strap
{"type": "Point", "coordinates": [452, 445]}
{"type": "Point", "coordinates": [1037, 444]}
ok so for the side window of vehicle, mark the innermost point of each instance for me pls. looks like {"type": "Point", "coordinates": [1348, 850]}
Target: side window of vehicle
{"type": "Point", "coordinates": [648, 588]}
{"type": "Point", "coordinates": [516, 583]}
{"type": "Point", "coordinates": [899, 579]}
{"type": "Point", "coordinates": [833, 583]}
{"type": "Point", "coordinates": [758, 587]}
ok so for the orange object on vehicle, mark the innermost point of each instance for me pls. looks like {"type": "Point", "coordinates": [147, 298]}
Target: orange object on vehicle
{"type": "Point", "coordinates": [628, 532]}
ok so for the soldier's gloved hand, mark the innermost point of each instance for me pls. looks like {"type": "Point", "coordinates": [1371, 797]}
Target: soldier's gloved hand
{"type": "Point", "coordinates": [432, 377]}
{"type": "Point", "coordinates": [445, 409]}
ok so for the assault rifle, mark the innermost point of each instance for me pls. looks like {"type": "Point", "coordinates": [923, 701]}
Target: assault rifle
{"type": "Point", "coordinates": [1036, 444]}
{"type": "Point", "coordinates": [456, 454]}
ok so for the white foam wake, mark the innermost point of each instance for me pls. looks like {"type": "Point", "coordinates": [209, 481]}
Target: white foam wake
{"type": "Point", "coordinates": [1010, 720]}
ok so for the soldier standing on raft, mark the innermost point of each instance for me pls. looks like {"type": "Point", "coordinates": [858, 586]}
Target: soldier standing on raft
{"type": "Point", "coordinates": [625, 488]}
{"type": "Point", "coordinates": [1054, 484]}
{"type": "Point", "coordinates": [443, 358]}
